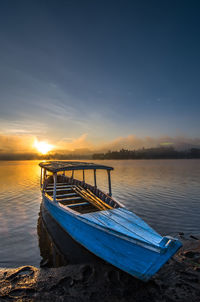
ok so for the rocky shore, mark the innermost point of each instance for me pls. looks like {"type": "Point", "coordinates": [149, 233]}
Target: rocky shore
{"type": "Point", "coordinates": [178, 280]}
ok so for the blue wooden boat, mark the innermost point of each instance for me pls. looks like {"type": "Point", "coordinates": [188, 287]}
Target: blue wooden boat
{"type": "Point", "coordinates": [100, 223]}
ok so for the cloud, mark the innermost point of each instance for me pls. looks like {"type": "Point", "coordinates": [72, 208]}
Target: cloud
{"type": "Point", "coordinates": [133, 142]}
{"type": "Point", "coordinates": [22, 127]}
{"type": "Point", "coordinates": [130, 142]}
{"type": "Point", "coordinates": [16, 143]}
{"type": "Point", "coordinates": [69, 144]}
{"type": "Point", "coordinates": [23, 142]}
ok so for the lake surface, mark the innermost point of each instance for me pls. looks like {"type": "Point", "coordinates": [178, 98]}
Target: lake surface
{"type": "Point", "coordinates": [165, 193]}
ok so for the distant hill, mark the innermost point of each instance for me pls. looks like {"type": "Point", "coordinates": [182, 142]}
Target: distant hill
{"type": "Point", "coordinates": [149, 153]}
{"type": "Point", "coordinates": [144, 153]}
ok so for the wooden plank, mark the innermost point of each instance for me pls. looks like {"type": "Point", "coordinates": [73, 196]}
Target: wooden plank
{"type": "Point", "coordinates": [67, 195]}
{"type": "Point", "coordinates": [57, 190]}
{"type": "Point", "coordinates": [63, 186]}
{"type": "Point", "coordinates": [82, 192]}
{"type": "Point", "coordinates": [70, 199]}
{"type": "Point", "coordinates": [77, 204]}
{"type": "Point", "coordinates": [101, 201]}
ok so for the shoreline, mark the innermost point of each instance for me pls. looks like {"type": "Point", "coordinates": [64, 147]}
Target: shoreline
{"type": "Point", "coordinates": [101, 159]}
{"type": "Point", "coordinates": [178, 280]}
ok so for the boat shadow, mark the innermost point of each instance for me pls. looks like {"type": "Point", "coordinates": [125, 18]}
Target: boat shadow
{"type": "Point", "coordinates": [57, 248]}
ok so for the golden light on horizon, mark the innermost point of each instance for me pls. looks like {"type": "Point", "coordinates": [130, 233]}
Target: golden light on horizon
{"type": "Point", "coordinates": [43, 147]}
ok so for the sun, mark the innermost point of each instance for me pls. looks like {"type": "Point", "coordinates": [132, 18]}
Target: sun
{"type": "Point", "coordinates": [42, 147]}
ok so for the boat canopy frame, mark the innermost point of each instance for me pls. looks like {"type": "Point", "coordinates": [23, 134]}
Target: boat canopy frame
{"type": "Point", "coordinates": [57, 166]}
{"type": "Point", "coordinates": [62, 166]}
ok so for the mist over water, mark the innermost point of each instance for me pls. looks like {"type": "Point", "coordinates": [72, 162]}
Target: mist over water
{"type": "Point", "coordinates": [165, 193]}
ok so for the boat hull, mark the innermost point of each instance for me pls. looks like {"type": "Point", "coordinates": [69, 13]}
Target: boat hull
{"type": "Point", "coordinates": [137, 260]}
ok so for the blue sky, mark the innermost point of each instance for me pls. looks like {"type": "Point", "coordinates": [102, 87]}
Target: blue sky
{"type": "Point", "coordinates": [107, 69]}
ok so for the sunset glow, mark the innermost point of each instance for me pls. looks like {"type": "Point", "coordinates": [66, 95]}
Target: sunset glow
{"type": "Point", "coordinates": [42, 147]}
{"type": "Point", "coordinates": [90, 98]}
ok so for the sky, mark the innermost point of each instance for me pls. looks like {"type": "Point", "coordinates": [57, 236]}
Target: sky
{"type": "Point", "coordinates": [87, 74]}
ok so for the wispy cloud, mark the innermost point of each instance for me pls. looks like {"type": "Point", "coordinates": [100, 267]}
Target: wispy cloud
{"type": "Point", "coordinates": [61, 111]}
{"type": "Point", "coordinates": [22, 127]}
{"type": "Point", "coordinates": [81, 142]}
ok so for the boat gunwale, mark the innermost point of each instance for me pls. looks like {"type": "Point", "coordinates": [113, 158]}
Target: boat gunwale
{"type": "Point", "coordinates": [121, 205]}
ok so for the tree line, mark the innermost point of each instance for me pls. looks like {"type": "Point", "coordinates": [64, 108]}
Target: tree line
{"type": "Point", "coordinates": [149, 153]}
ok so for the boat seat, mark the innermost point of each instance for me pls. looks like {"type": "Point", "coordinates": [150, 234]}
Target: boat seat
{"type": "Point", "coordinates": [77, 204]}
{"type": "Point", "coordinates": [58, 190]}
{"type": "Point", "coordinates": [67, 195]}
{"type": "Point", "coordinates": [70, 199]}
{"type": "Point", "coordinates": [64, 186]}
{"type": "Point", "coordinates": [58, 183]}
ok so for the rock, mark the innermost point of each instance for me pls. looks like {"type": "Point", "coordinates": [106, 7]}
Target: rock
{"type": "Point", "coordinates": [179, 281]}
{"type": "Point", "coordinates": [87, 271]}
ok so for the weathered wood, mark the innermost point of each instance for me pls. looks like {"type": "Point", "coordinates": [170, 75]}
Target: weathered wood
{"type": "Point", "coordinates": [69, 199]}
{"type": "Point", "coordinates": [59, 186]}
{"type": "Point", "coordinates": [92, 199]}
{"type": "Point", "coordinates": [77, 204]}
{"type": "Point", "coordinates": [65, 195]}
{"type": "Point", "coordinates": [104, 203]}
{"type": "Point", "coordinates": [58, 190]}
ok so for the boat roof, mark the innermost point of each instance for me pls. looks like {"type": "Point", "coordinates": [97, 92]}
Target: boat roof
{"type": "Point", "coordinates": [56, 166]}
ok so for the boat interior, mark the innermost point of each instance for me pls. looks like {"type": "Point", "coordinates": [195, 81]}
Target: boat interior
{"type": "Point", "coordinates": [78, 195]}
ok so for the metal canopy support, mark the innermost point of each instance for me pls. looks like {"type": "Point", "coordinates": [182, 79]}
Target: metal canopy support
{"type": "Point", "coordinates": [41, 178]}
{"type": "Point", "coordinates": [109, 183]}
{"type": "Point", "coordinates": [72, 174]}
{"type": "Point", "coordinates": [44, 178]}
{"type": "Point", "coordinates": [95, 178]}
{"type": "Point", "coordinates": [54, 186]}
{"type": "Point", "coordinates": [83, 175]}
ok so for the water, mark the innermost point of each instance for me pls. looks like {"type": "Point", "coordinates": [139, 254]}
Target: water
{"type": "Point", "coordinates": [165, 193]}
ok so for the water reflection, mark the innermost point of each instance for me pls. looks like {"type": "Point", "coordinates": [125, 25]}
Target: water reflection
{"type": "Point", "coordinates": [57, 248]}
{"type": "Point", "coordinates": [165, 193]}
